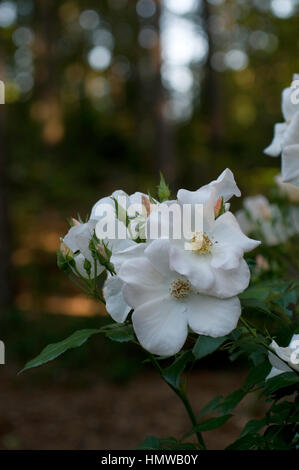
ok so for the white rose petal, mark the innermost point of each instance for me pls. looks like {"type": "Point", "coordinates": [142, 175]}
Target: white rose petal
{"type": "Point", "coordinates": [166, 302]}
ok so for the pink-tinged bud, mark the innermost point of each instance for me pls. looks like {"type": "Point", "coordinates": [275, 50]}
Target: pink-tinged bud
{"type": "Point", "coordinates": [262, 263]}
{"type": "Point", "coordinates": [217, 207]}
{"type": "Point", "coordinates": [102, 251]}
{"type": "Point", "coordinates": [75, 221]}
{"type": "Point", "coordinates": [65, 250]}
{"type": "Point", "coordinates": [147, 205]}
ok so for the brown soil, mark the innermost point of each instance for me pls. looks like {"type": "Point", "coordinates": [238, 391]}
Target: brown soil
{"type": "Point", "coordinates": [110, 416]}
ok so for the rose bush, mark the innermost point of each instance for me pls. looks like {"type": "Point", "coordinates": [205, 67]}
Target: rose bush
{"type": "Point", "coordinates": [184, 297]}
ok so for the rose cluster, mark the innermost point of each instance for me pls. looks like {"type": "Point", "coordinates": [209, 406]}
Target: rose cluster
{"type": "Point", "coordinates": [167, 286]}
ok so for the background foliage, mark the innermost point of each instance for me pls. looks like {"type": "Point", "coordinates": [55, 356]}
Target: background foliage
{"type": "Point", "coordinates": [103, 95]}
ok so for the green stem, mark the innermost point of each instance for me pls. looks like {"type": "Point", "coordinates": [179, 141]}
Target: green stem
{"type": "Point", "coordinates": [248, 327]}
{"type": "Point", "coordinates": [185, 401]}
{"type": "Point", "coordinates": [88, 291]}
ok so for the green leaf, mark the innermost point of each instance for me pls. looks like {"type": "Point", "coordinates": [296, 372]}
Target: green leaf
{"type": "Point", "coordinates": [237, 333]}
{"type": "Point", "coordinates": [278, 437]}
{"type": "Point", "coordinates": [286, 379]}
{"type": "Point", "coordinates": [250, 441]}
{"type": "Point", "coordinates": [207, 345]}
{"type": "Point", "coordinates": [257, 375]}
{"type": "Point", "coordinates": [277, 296]}
{"type": "Point", "coordinates": [253, 426]}
{"type": "Point", "coordinates": [262, 307]}
{"type": "Point", "coordinates": [288, 298]}
{"type": "Point", "coordinates": [231, 401]}
{"type": "Point", "coordinates": [54, 350]}
{"type": "Point", "coordinates": [163, 190]}
{"type": "Point", "coordinates": [247, 345]}
{"type": "Point", "coordinates": [173, 373]}
{"type": "Point", "coordinates": [282, 412]}
{"type": "Point", "coordinates": [150, 443]}
{"type": "Point", "coordinates": [209, 424]}
{"type": "Point", "coordinates": [257, 293]}
{"type": "Point", "coordinates": [121, 333]}
{"type": "Point", "coordinates": [211, 406]}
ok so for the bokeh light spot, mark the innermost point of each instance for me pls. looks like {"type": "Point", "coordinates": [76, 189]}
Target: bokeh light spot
{"type": "Point", "coordinates": [99, 58]}
{"type": "Point", "coordinates": [8, 14]}
{"type": "Point", "coordinates": [147, 37]}
{"type": "Point", "coordinates": [89, 19]}
{"type": "Point", "coordinates": [180, 7]}
{"type": "Point", "coordinates": [236, 59]}
{"type": "Point", "coordinates": [145, 8]}
{"type": "Point", "coordinates": [282, 8]}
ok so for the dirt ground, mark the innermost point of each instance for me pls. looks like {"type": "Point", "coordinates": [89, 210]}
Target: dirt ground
{"type": "Point", "coordinates": [105, 415]}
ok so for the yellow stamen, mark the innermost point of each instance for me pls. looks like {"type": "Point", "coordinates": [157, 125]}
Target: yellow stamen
{"type": "Point", "coordinates": [199, 243]}
{"type": "Point", "coordinates": [180, 289]}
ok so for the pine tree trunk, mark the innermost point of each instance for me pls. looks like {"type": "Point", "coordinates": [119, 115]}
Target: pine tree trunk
{"type": "Point", "coordinates": [6, 288]}
{"type": "Point", "coordinates": [211, 84]}
{"type": "Point", "coordinates": [164, 143]}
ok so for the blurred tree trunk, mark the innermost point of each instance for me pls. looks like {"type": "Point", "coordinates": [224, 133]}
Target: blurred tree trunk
{"type": "Point", "coordinates": [46, 14]}
{"type": "Point", "coordinates": [6, 286]}
{"type": "Point", "coordinates": [48, 74]}
{"type": "Point", "coordinates": [164, 141]}
{"type": "Point", "coordinates": [211, 91]}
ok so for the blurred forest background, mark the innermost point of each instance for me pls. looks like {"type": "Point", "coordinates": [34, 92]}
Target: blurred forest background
{"type": "Point", "coordinates": [101, 95]}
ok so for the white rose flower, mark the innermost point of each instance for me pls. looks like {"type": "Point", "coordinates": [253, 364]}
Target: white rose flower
{"type": "Point", "coordinates": [259, 216]}
{"type": "Point", "coordinates": [225, 186]}
{"type": "Point", "coordinates": [165, 303]}
{"type": "Point", "coordinates": [286, 359]}
{"type": "Point", "coordinates": [95, 211]}
{"type": "Point", "coordinates": [133, 211]}
{"type": "Point", "coordinates": [136, 208]}
{"type": "Point", "coordinates": [290, 153]}
{"type": "Point", "coordinates": [77, 240]}
{"type": "Point", "coordinates": [288, 189]}
{"type": "Point", "coordinates": [122, 251]}
{"type": "Point", "coordinates": [116, 305]}
{"type": "Point", "coordinates": [289, 111]}
{"type": "Point", "coordinates": [212, 260]}
{"type": "Point", "coordinates": [286, 138]}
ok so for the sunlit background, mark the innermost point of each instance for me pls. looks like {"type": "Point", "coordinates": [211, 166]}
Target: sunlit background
{"type": "Point", "coordinates": [104, 95]}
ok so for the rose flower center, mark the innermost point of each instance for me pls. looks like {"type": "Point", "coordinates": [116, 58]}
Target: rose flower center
{"type": "Point", "coordinates": [200, 243]}
{"type": "Point", "coordinates": [180, 289]}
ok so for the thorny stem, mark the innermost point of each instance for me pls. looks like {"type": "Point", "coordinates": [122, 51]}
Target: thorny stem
{"type": "Point", "coordinates": [251, 331]}
{"type": "Point", "coordinates": [87, 291]}
{"type": "Point", "coordinates": [185, 401]}
{"type": "Point", "coordinates": [248, 327]}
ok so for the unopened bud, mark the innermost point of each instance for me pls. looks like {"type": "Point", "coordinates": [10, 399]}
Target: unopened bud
{"type": "Point", "coordinates": [65, 250]}
{"type": "Point", "coordinates": [217, 207]}
{"type": "Point", "coordinates": [262, 263]}
{"type": "Point", "coordinates": [75, 221]}
{"type": "Point", "coordinates": [146, 205]}
{"type": "Point", "coordinates": [102, 251]}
